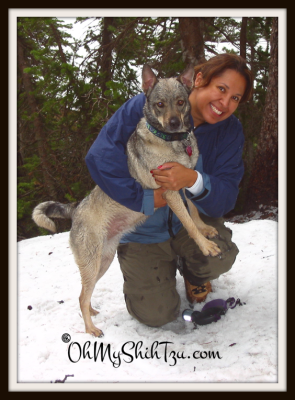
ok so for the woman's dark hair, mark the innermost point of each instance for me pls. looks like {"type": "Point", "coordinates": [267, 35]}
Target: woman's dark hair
{"type": "Point", "coordinates": [215, 66]}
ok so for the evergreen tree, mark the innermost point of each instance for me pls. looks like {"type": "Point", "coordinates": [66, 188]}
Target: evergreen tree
{"type": "Point", "coordinates": [65, 100]}
{"type": "Point", "coordinates": [263, 184]}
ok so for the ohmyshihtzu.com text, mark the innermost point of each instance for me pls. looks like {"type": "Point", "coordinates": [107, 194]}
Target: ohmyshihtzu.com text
{"type": "Point", "coordinates": [131, 351]}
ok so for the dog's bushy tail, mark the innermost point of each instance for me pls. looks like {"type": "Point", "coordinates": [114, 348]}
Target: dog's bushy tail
{"type": "Point", "coordinates": [52, 209]}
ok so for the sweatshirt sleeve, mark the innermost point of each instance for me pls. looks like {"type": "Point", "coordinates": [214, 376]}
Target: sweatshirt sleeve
{"type": "Point", "coordinates": [107, 161]}
{"type": "Point", "coordinates": [222, 175]}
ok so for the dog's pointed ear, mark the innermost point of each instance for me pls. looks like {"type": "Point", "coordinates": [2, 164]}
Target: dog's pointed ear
{"type": "Point", "coordinates": [187, 77]}
{"type": "Point", "coordinates": [149, 79]}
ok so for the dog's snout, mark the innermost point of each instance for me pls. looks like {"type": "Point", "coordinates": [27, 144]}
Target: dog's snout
{"type": "Point", "coordinates": [174, 122]}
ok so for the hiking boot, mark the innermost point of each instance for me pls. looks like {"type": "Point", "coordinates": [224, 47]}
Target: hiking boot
{"type": "Point", "coordinates": [197, 294]}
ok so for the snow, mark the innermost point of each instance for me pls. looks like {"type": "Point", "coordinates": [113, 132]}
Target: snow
{"type": "Point", "coordinates": [244, 341]}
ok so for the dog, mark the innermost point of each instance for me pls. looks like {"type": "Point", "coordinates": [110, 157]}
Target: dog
{"type": "Point", "coordinates": [98, 222]}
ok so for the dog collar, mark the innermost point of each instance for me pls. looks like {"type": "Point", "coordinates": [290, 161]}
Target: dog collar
{"type": "Point", "coordinates": [169, 137]}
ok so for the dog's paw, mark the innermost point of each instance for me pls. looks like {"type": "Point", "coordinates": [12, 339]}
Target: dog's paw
{"type": "Point", "coordinates": [210, 249]}
{"type": "Point", "coordinates": [93, 312]}
{"type": "Point", "coordinates": [209, 232]}
{"type": "Point", "coordinates": [95, 332]}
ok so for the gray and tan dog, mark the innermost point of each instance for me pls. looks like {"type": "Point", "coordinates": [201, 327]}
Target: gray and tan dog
{"type": "Point", "coordinates": [98, 222]}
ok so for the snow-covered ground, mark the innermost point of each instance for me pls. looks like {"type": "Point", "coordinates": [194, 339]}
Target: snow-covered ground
{"type": "Point", "coordinates": [242, 348]}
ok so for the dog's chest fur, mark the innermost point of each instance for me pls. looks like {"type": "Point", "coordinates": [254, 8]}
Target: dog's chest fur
{"type": "Point", "coordinates": [145, 152]}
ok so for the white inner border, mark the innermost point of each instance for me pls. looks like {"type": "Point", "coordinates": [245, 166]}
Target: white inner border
{"type": "Point", "coordinates": [281, 13]}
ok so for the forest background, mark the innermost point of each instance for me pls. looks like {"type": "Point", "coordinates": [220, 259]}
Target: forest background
{"type": "Point", "coordinates": [64, 99]}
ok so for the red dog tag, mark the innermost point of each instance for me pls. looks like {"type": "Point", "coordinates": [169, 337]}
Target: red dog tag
{"type": "Point", "coordinates": [189, 150]}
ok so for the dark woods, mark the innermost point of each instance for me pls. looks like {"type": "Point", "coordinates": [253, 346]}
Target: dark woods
{"type": "Point", "coordinates": [65, 99]}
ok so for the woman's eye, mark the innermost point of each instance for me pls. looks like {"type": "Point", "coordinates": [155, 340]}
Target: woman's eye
{"type": "Point", "coordinates": [160, 104]}
{"type": "Point", "coordinates": [221, 89]}
{"type": "Point", "coordinates": [237, 99]}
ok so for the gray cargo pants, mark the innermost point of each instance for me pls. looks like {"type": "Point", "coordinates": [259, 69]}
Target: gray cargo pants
{"type": "Point", "coordinates": [149, 272]}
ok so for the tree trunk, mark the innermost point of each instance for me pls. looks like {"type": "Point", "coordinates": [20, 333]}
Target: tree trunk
{"type": "Point", "coordinates": [192, 41]}
{"type": "Point", "coordinates": [106, 59]}
{"type": "Point", "coordinates": [263, 184]}
{"type": "Point", "coordinates": [57, 38]}
{"type": "Point", "coordinates": [243, 38]}
{"type": "Point", "coordinates": [38, 125]}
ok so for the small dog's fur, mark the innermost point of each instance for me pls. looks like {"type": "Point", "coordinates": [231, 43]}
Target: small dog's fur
{"type": "Point", "coordinates": [98, 222]}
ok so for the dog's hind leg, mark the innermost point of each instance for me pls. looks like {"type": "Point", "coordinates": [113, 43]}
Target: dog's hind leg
{"type": "Point", "coordinates": [175, 202]}
{"type": "Point", "coordinates": [87, 310]}
{"type": "Point", "coordinates": [90, 274]}
{"type": "Point", "coordinates": [88, 259]}
{"type": "Point", "coordinates": [93, 312]}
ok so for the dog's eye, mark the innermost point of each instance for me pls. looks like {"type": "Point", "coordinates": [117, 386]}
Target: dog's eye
{"type": "Point", "coordinates": [180, 102]}
{"type": "Point", "coordinates": [160, 104]}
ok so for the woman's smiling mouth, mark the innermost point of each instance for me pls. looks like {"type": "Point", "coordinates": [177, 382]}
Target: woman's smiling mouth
{"type": "Point", "coordinates": [215, 110]}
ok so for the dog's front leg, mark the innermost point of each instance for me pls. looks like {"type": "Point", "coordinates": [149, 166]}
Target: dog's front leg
{"type": "Point", "coordinates": [206, 230]}
{"type": "Point", "coordinates": [175, 202]}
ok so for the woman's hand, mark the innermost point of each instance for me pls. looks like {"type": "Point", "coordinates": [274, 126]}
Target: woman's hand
{"type": "Point", "coordinates": [174, 176]}
{"type": "Point", "coordinates": [158, 199]}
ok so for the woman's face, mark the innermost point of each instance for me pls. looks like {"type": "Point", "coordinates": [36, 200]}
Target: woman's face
{"type": "Point", "coordinates": [218, 100]}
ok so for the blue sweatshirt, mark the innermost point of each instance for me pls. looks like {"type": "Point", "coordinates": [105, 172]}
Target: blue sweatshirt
{"type": "Point", "coordinates": [220, 163]}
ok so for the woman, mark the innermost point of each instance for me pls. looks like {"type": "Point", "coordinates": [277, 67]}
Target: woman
{"type": "Point", "coordinates": [150, 255]}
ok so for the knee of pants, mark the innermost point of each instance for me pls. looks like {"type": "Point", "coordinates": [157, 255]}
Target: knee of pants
{"type": "Point", "coordinates": [154, 309]}
{"type": "Point", "coordinates": [199, 269]}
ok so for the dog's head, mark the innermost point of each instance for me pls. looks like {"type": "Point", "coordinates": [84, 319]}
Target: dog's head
{"type": "Point", "coordinates": [167, 106]}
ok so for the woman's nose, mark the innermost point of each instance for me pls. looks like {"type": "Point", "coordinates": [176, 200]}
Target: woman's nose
{"type": "Point", "coordinates": [225, 101]}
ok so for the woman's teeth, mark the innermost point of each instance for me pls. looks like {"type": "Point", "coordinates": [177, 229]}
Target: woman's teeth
{"type": "Point", "coordinates": [215, 110]}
